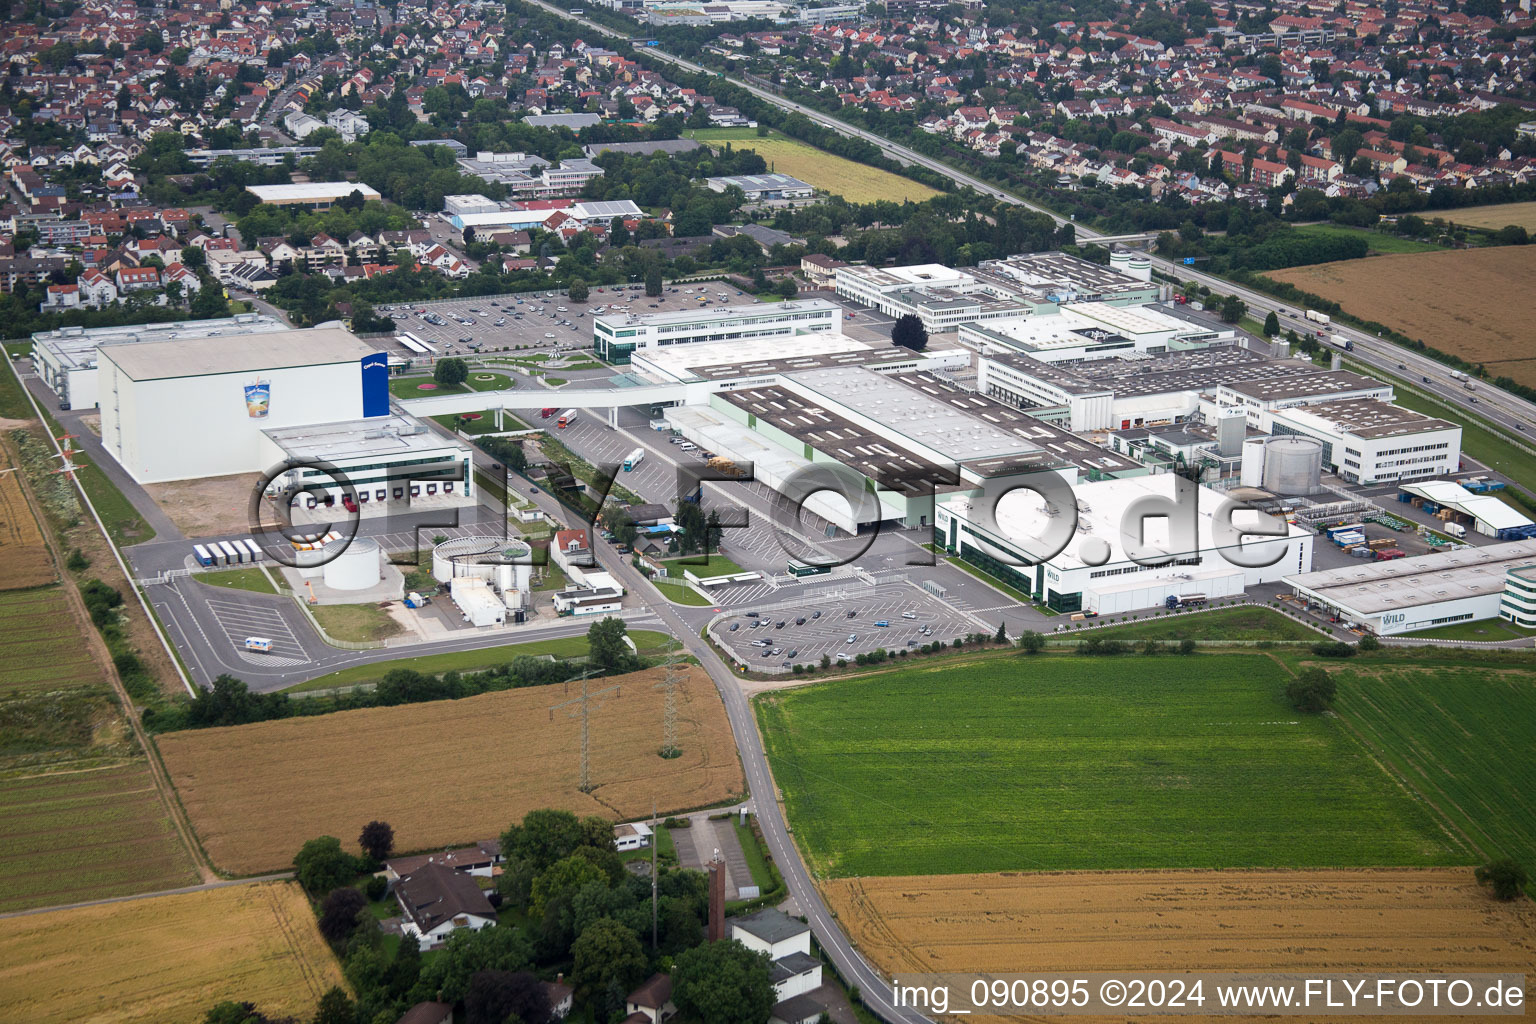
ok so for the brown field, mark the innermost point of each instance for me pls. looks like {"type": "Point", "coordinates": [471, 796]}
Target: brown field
{"type": "Point", "coordinates": [1442, 298]}
{"type": "Point", "coordinates": [207, 507]}
{"type": "Point", "coordinates": [1397, 919]}
{"type": "Point", "coordinates": [1495, 217]}
{"type": "Point", "coordinates": [447, 771]}
{"type": "Point", "coordinates": [24, 558]}
{"type": "Point", "coordinates": [167, 959]}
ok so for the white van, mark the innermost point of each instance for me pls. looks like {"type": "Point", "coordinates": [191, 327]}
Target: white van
{"type": "Point", "coordinates": [257, 643]}
{"type": "Point", "coordinates": [688, 446]}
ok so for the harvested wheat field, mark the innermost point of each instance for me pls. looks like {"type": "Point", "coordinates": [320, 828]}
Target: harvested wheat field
{"type": "Point", "coordinates": [24, 558]}
{"type": "Point", "coordinates": [167, 959]}
{"type": "Point", "coordinates": [445, 772]}
{"type": "Point", "coordinates": [1390, 919]}
{"type": "Point", "coordinates": [1474, 303]}
{"type": "Point", "coordinates": [1495, 217]}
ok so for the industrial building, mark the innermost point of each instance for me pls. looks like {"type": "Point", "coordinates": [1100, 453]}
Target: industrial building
{"type": "Point", "coordinates": [760, 187]}
{"type": "Point", "coordinates": [1055, 277]}
{"type": "Point", "coordinates": [203, 407]}
{"type": "Point", "coordinates": [1366, 441]}
{"type": "Point", "coordinates": [1404, 595]}
{"type": "Point", "coordinates": [1078, 331]}
{"type": "Point", "coordinates": [382, 459]}
{"type": "Point", "coordinates": [312, 195]}
{"type": "Point", "coordinates": [67, 358]}
{"type": "Point", "coordinates": [491, 216]}
{"type": "Point", "coordinates": [1459, 504]}
{"type": "Point", "coordinates": [616, 335]}
{"type": "Point", "coordinates": [272, 157]}
{"type": "Point", "coordinates": [1096, 571]}
{"type": "Point", "coordinates": [528, 176]}
{"type": "Point", "coordinates": [943, 298]}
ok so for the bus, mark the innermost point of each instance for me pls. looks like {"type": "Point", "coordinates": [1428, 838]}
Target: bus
{"type": "Point", "coordinates": [201, 554]}
{"type": "Point", "coordinates": [801, 569]}
{"type": "Point", "coordinates": [567, 418]}
{"type": "Point", "coordinates": [257, 643]}
{"type": "Point", "coordinates": [633, 459]}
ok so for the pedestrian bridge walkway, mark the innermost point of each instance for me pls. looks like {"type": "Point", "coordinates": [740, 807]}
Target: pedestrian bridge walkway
{"type": "Point", "coordinates": [520, 399]}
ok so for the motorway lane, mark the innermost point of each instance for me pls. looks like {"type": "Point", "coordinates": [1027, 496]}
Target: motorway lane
{"type": "Point", "coordinates": [1505, 410]}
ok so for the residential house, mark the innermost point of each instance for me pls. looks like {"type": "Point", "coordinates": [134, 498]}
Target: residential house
{"type": "Point", "coordinates": [571, 546]}
{"type": "Point", "coordinates": [819, 270]}
{"type": "Point", "coordinates": [652, 1001]}
{"type": "Point", "coordinates": [633, 836]}
{"type": "Point", "coordinates": [96, 289]}
{"type": "Point", "coordinates": [435, 901]}
{"type": "Point", "coordinates": [137, 279]}
{"type": "Point", "coordinates": [479, 861]}
{"type": "Point", "coordinates": [59, 298]}
{"type": "Point", "coordinates": [787, 941]}
{"type": "Point", "coordinates": [428, 1013]}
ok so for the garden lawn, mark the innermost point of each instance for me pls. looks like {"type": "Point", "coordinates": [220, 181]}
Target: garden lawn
{"type": "Point", "coordinates": [355, 623]}
{"type": "Point", "coordinates": [239, 579]}
{"type": "Point", "coordinates": [679, 592]}
{"type": "Point", "coordinates": [718, 565]}
{"type": "Point", "coordinates": [1464, 737]}
{"type": "Point", "coordinates": [1244, 622]}
{"type": "Point", "coordinates": [1070, 762]}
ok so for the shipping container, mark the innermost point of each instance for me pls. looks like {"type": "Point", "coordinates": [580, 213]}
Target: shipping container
{"type": "Point", "coordinates": [232, 555]}
{"type": "Point", "coordinates": [201, 554]}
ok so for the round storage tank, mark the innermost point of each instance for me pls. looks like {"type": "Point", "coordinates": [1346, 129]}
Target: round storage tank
{"type": "Point", "coordinates": [1140, 268]}
{"type": "Point", "coordinates": [1252, 472]}
{"type": "Point", "coordinates": [1120, 260]}
{"type": "Point", "coordinates": [356, 568]}
{"type": "Point", "coordinates": [479, 557]}
{"type": "Point", "coordinates": [1293, 465]}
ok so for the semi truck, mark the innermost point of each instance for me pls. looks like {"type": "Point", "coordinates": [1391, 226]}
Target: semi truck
{"type": "Point", "coordinates": [567, 418]}
{"type": "Point", "coordinates": [1318, 318]}
{"type": "Point", "coordinates": [547, 413]}
{"type": "Point", "coordinates": [633, 459]}
{"type": "Point", "coordinates": [1341, 343]}
{"type": "Point", "coordinates": [1184, 600]}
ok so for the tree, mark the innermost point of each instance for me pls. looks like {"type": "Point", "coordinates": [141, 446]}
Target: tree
{"type": "Point", "coordinates": [1186, 646]}
{"type": "Point", "coordinates": [607, 955]}
{"type": "Point", "coordinates": [235, 1013]}
{"type": "Point", "coordinates": [1031, 642]}
{"type": "Point", "coordinates": [338, 914]}
{"type": "Point", "coordinates": [607, 650]}
{"type": "Point", "coordinates": [543, 837]}
{"type": "Point", "coordinates": [577, 290]}
{"type": "Point", "coordinates": [1346, 144]}
{"type": "Point", "coordinates": [209, 303]}
{"type": "Point", "coordinates": [1002, 633]}
{"type": "Point", "coordinates": [1312, 690]}
{"type": "Point", "coordinates": [494, 997]}
{"type": "Point", "coordinates": [1505, 877]}
{"type": "Point", "coordinates": [909, 332]}
{"type": "Point", "coordinates": [1232, 309]}
{"type": "Point", "coordinates": [785, 288]}
{"type": "Point", "coordinates": [653, 282]}
{"type": "Point", "coordinates": [377, 840]}
{"type": "Point", "coordinates": [1369, 643]}
{"type": "Point", "coordinates": [193, 258]}
{"type": "Point", "coordinates": [335, 1008]}
{"type": "Point", "coordinates": [722, 983]}
{"type": "Point", "coordinates": [451, 371]}
{"type": "Point", "coordinates": [1271, 325]}
{"type": "Point", "coordinates": [322, 865]}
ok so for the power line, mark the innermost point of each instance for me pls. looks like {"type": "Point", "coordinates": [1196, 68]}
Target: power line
{"type": "Point", "coordinates": [584, 710]}
{"type": "Point", "coordinates": [676, 675]}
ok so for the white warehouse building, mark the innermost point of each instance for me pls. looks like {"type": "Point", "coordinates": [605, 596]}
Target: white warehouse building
{"type": "Point", "coordinates": [1095, 571]}
{"type": "Point", "coordinates": [1366, 441]}
{"type": "Point", "coordinates": [616, 335]}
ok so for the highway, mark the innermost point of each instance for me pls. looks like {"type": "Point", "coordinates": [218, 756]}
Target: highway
{"type": "Point", "coordinates": [1513, 415]}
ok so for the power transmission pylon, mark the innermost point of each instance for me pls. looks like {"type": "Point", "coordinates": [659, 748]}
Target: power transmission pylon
{"type": "Point", "coordinates": [584, 703]}
{"type": "Point", "coordinates": [676, 674]}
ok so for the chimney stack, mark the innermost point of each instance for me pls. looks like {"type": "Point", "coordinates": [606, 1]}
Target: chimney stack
{"type": "Point", "coordinates": [716, 900]}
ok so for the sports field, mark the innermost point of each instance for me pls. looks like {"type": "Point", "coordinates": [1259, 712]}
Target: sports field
{"type": "Point", "coordinates": [448, 771]}
{"type": "Point", "coordinates": [1069, 762]}
{"type": "Point", "coordinates": [1495, 217]}
{"type": "Point", "coordinates": [1395, 921]}
{"type": "Point", "coordinates": [168, 959]}
{"type": "Point", "coordinates": [1442, 298]}
{"type": "Point", "coordinates": [836, 175]}
{"type": "Point", "coordinates": [1463, 736]}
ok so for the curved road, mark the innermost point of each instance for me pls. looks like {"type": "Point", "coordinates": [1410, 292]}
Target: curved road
{"type": "Point", "coordinates": [1505, 411]}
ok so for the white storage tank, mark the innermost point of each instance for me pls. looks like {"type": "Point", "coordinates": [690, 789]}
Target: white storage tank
{"type": "Point", "coordinates": [1252, 472]}
{"type": "Point", "coordinates": [356, 568]}
{"type": "Point", "coordinates": [1293, 465]}
{"type": "Point", "coordinates": [1120, 260]}
{"type": "Point", "coordinates": [1140, 268]}
{"type": "Point", "coordinates": [484, 558]}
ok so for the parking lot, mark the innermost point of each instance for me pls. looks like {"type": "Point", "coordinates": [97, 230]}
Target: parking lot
{"type": "Point", "coordinates": [840, 624]}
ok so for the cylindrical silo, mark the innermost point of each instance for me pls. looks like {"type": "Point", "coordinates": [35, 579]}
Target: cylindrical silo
{"type": "Point", "coordinates": [1120, 260]}
{"type": "Point", "coordinates": [356, 568]}
{"type": "Point", "coordinates": [1293, 465]}
{"type": "Point", "coordinates": [1140, 268]}
{"type": "Point", "coordinates": [1252, 472]}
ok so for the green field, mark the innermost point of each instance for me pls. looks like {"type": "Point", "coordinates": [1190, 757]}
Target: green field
{"type": "Point", "coordinates": [473, 661]}
{"type": "Point", "coordinates": [13, 401]}
{"type": "Point", "coordinates": [411, 387]}
{"type": "Point", "coordinates": [717, 565]}
{"type": "Point", "coordinates": [79, 814]}
{"type": "Point", "coordinates": [855, 182]}
{"type": "Point", "coordinates": [1377, 240]}
{"type": "Point", "coordinates": [1066, 762]}
{"type": "Point", "coordinates": [239, 579]}
{"type": "Point", "coordinates": [484, 424]}
{"type": "Point", "coordinates": [1244, 622]}
{"type": "Point", "coordinates": [1464, 737]}
{"type": "Point", "coordinates": [679, 592]}
{"type": "Point", "coordinates": [356, 623]}
{"type": "Point", "coordinates": [1486, 630]}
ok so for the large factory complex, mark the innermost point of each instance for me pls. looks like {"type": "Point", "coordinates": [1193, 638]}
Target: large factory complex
{"type": "Point", "coordinates": [1055, 398]}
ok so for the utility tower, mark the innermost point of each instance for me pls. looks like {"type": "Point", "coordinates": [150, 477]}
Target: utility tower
{"type": "Point", "coordinates": [584, 711]}
{"type": "Point", "coordinates": [676, 675]}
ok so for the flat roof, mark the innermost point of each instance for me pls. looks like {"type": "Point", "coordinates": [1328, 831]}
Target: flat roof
{"type": "Point", "coordinates": [716, 360]}
{"type": "Point", "coordinates": [1056, 376]}
{"type": "Point", "coordinates": [761, 182]}
{"type": "Point", "coordinates": [1371, 588]}
{"type": "Point", "coordinates": [1061, 445]}
{"type": "Point", "coordinates": [310, 190]}
{"type": "Point", "coordinates": [395, 434]}
{"type": "Point", "coordinates": [1059, 273]}
{"type": "Point", "coordinates": [1327, 382]}
{"type": "Point", "coordinates": [1366, 417]}
{"type": "Point", "coordinates": [1196, 370]}
{"type": "Point", "coordinates": [714, 314]}
{"type": "Point", "coordinates": [75, 348]}
{"type": "Point", "coordinates": [921, 275]}
{"type": "Point", "coordinates": [1485, 508]}
{"type": "Point", "coordinates": [198, 357]}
